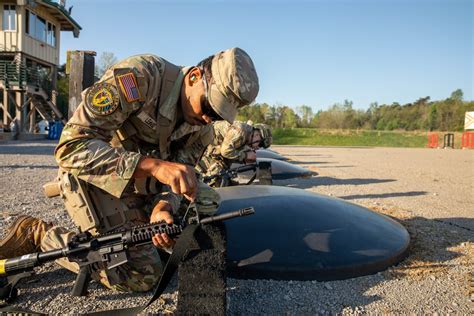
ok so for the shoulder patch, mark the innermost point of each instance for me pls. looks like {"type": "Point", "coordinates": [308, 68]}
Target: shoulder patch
{"type": "Point", "coordinates": [102, 98]}
{"type": "Point", "coordinates": [129, 86]}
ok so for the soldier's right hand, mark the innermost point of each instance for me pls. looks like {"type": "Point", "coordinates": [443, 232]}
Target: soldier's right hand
{"type": "Point", "coordinates": [181, 178]}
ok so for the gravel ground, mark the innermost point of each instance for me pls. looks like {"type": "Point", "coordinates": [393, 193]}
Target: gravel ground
{"type": "Point", "coordinates": [428, 191]}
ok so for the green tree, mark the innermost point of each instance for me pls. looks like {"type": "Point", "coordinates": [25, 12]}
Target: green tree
{"type": "Point", "coordinates": [457, 95]}
{"type": "Point", "coordinates": [106, 60]}
{"type": "Point", "coordinates": [306, 114]}
{"type": "Point", "coordinates": [288, 117]}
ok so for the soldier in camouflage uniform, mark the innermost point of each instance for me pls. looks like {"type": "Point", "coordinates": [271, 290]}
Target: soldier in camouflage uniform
{"type": "Point", "coordinates": [235, 142]}
{"type": "Point", "coordinates": [126, 155]}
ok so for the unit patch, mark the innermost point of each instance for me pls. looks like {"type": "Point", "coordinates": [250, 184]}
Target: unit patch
{"type": "Point", "coordinates": [102, 99]}
{"type": "Point", "coordinates": [129, 87]}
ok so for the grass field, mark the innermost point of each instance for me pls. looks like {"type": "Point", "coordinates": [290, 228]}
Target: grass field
{"type": "Point", "coordinates": [318, 137]}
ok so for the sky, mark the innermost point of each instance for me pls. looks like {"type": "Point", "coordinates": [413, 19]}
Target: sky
{"type": "Point", "coordinates": [315, 53]}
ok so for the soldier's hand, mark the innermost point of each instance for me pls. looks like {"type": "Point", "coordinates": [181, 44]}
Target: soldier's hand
{"type": "Point", "coordinates": [181, 178]}
{"type": "Point", "coordinates": [162, 212]}
{"type": "Point", "coordinates": [250, 156]}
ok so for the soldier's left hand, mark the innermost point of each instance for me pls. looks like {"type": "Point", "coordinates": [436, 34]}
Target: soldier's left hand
{"type": "Point", "coordinates": [162, 212]}
{"type": "Point", "coordinates": [250, 156]}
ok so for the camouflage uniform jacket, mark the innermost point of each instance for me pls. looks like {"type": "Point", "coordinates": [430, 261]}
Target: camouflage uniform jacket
{"type": "Point", "coordinates": [230, 144]}
{"type": "Point", "coordinates": [125, 116]}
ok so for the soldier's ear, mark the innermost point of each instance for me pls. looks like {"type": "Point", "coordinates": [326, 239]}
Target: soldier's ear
{"type": "Point", "coordinates": [194, 75]}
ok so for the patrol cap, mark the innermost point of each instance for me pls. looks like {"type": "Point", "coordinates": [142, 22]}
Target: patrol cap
{"type": "Point", "coordinates": [235, 82]}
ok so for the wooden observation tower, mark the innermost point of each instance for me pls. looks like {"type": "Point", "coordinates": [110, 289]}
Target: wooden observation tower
{"type": "Point", "coordinates": [29, 60]}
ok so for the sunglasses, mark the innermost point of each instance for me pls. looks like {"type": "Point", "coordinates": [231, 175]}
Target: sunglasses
{"type": "Point", "coordinates": [206, 106]}
{"type": "Point", "coordinates": [260, 142]}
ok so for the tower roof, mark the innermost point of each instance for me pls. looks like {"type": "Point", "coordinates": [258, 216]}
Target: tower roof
{"type": "Point", "coordinates": [57, 9]}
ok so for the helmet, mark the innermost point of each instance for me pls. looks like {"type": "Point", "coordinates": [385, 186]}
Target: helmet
{"type": "Point", "coordinates": [266, 134]}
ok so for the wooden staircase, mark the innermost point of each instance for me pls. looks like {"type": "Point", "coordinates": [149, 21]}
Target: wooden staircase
{"type": "Point", "coordinates": [18, 78]}
{"type": "Point", "coordinates": [45, 107]}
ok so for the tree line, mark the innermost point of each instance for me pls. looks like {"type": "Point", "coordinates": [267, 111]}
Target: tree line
{"type": "Point", "coordinates": [423, 114]}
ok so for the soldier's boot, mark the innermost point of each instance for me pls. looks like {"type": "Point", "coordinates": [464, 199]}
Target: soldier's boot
{"type": "Point", "coordinates": [23, 237]}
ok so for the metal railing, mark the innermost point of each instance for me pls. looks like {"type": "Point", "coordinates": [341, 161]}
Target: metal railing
{"type": "Point", "coordinates": [19, 75]}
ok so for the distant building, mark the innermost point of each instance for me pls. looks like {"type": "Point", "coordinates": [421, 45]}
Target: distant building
{"type": "Point", "coordinates": [29, 59]}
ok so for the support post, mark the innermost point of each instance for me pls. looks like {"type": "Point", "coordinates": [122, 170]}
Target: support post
{"type": "Point", "coordinates": [54, 78]}
{"type": "Point", "coordinates": [32, 117]}
{"type": "Point", "coordinates": [80, 67]}
{"type": "Point", "coordinates": [19, 112]}
{"type": "Point", "coordinates": [6, 108]}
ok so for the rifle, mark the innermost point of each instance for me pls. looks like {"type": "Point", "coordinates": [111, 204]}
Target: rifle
{"type": "Point", "coordinates": [262, 171]}
{"type": "Point", "coordinates": [90, 251]}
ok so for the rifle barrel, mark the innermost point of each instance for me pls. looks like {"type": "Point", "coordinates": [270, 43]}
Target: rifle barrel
{"type": "Point", "coordinates": [245, 168]}
{"type": "Point", "coordinates": [242, 212]}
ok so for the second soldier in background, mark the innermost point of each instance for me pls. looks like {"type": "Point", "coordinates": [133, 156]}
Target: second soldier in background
{"type": "Point", "coordinates": [233, 143]}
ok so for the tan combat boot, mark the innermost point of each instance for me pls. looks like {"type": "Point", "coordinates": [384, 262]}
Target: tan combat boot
{"type": "Point", "coordinates": [23, 237]}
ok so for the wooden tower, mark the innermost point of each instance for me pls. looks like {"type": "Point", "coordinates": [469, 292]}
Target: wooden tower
{"type": "Point", "coordinates": [29, 60]}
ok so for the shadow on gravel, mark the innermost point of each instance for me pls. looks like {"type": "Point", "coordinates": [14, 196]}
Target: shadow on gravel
{"type": "Point", "coordinates": [108, 295]}
{"type": "Point", "coordinates": [382, 196]}
{"type": "Point", "coordinates": [22, 148]}
{"type": "Point", "coordinates": [298, 162]}
{"type": "Point", "coordinates": [30, 167]}
{"type": "Point", "coordinates": [310, 155]}
{"type": "Point", "coordinates": [434, 242]}
{"type": "Point", "coordinates": [341, 166]}
{"type": "Point", "coordinates": [315, 181]}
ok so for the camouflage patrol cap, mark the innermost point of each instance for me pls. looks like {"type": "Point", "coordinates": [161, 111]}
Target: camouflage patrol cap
{"type": "Point", "coordinates": [235, 82]}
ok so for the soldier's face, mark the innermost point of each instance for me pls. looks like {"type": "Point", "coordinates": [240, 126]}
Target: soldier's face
{"type": "Point", "coordinates": [194, 99]}
{"type": "Point", "coordinates": [256, 139]}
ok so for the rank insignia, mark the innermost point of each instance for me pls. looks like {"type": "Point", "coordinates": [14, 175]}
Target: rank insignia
{"type": "Point", "coordinates": [128, 85]}
{"type": "Point", "coordinates": [102, 99]}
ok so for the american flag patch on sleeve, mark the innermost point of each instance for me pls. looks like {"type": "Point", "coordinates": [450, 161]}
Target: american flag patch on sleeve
{"type": "Point", "coordinates": [129, 87]}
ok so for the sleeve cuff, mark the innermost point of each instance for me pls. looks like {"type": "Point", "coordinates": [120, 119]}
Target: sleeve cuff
{"type": "Point", "coordinates": [127, 164]}
{"type": "Point", "coordinates": [117, 182]}
{"type": "Point", "coordinates": [173, 199]}
{"type": "Point", "coordinates": [242, 156]}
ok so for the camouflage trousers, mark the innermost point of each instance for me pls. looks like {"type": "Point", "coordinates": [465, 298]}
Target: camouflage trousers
{"type": "Point", "coordinates": [144, 267]}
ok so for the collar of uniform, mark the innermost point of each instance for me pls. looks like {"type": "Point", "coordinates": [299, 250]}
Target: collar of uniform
{"type": "Point", "coordinates": [169, 108]}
